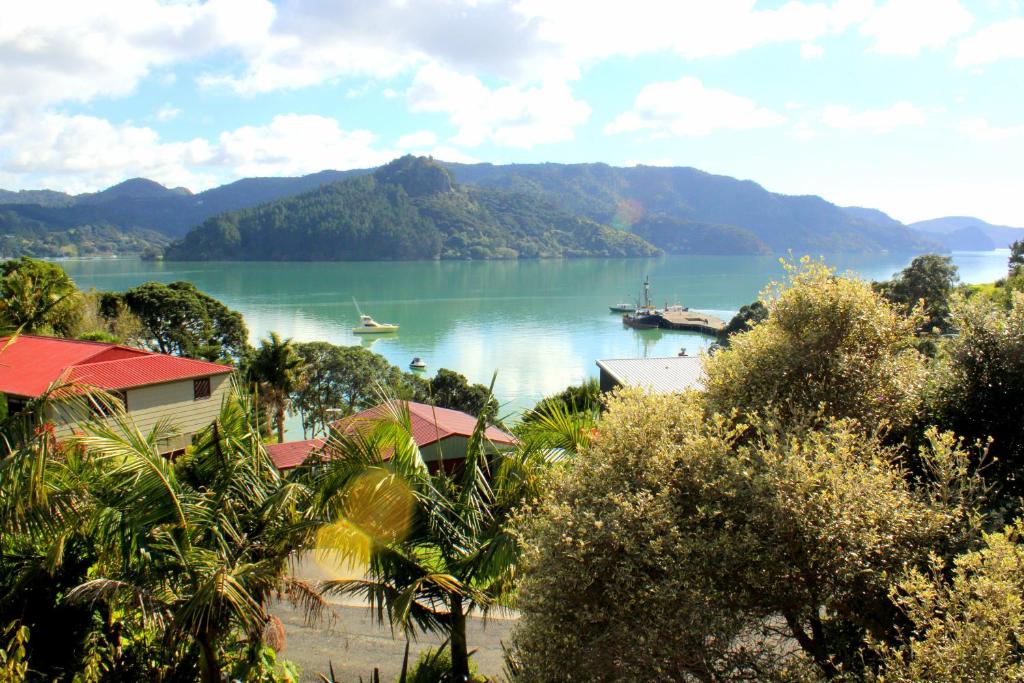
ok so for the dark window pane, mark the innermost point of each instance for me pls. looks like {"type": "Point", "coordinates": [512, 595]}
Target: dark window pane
{"type": "Point", "coordinates": [201, 388]}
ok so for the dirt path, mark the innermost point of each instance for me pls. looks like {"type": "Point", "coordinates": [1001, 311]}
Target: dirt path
{"type": "Point", "coordinates": [356, 645]}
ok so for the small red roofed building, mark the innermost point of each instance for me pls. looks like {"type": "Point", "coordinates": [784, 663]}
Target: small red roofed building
{"type": "Point", "coordinates": [442, 435]}
{"type": "Point", "coordinates": [186, 393]}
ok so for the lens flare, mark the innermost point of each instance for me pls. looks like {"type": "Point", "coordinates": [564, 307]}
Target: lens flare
{"type": "Point", "coordinates": [378, 509]}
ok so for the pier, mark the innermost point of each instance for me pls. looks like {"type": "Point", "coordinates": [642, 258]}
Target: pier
{"type": "Point", "coordinates": [690, 321]}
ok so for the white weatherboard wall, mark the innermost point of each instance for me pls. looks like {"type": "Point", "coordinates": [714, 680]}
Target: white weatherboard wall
{"type": "Point", "coordinates": [173, 402]}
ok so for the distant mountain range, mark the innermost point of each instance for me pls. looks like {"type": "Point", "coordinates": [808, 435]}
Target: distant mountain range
{"type": "Point", "coordinates": [968, 234]}
{"type": "Point", "coordinates": [529, 209]}
{"type": "Point", "coordinates": [409, 209]}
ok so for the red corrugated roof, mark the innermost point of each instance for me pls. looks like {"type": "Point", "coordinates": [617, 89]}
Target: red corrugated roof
{"type": "Point", "coordinates": [431, 424]}
{"type": "Point", "coordinates": [30, 364]}
{"type": "Point", "coordinates": [291, 454]}
{"type": "Point", "coordinates": [140, 371]}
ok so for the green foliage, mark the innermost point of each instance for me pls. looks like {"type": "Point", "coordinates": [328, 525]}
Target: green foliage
{"type": "Point", "coordinates": [691, 211]}
{"type": "Point", "coordinates": [977, 377]}
{"type": "Point", "coordinates": [967, 628]}
{"type": "Point", "coordinates": [274, 369]}
{"type": "Point", "coordinates": [576, 398]}
{"type": "Point", "coordinates": [340, 380]}
{"type": "Point", "coordinates": [435, 666]}
{"type": "Point", "coordinates": [686, 548]}
{"type": "Point", "coordinates": [22, 235]}
{"type": "Point", "coordinates": [748, 316]}
{"type": "Point", "coordinates": [830, 347]}
{"type": "Point", "coordinates": [408, 209]}
{"type": "Point", "coordinates": [1016, 259]}
{"type": "Point", "coordinates": [928, 282]}
{"type": "Point", "coordinates": [179, 319]}
{"type": "Point", "coordinates": [13, 667]}
{"type": "Point", "coordinates": [118, 325]}
{"type": "Point", "coordinates": [36, 297]}
{"type": "Point", "coordinates": [449, 389]}
{"type": "Point", "coordinates": [435, 547]}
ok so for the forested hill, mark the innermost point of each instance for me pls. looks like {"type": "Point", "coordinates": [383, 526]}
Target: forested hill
{"type": "Point", "coordinates": [689, 211]}
{"type": "Point", "coordinates": [408, 209]}
{"type": "Point", "coordinates": [681, 210]}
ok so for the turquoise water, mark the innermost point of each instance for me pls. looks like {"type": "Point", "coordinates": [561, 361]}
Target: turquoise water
{"type": "Point", "coordinates": [541, 325]}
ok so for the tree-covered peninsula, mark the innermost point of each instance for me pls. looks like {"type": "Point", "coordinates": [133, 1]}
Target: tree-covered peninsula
{"type": "Point", "coordinates": [408, 209]}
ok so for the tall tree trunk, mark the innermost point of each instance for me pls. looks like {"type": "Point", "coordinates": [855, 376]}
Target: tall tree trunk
{"type": "Point", "coordinates": [211, 665]}
{"type": "Point", "coordinates": [460, 654]}
{"type": "Point", "coordinates": [280, 422]}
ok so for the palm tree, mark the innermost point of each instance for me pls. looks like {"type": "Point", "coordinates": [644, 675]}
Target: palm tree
{"type": "Point", "coordinates": [436, 547]}
{"type": "Point", "coordinates": [35, 295]}
{"type": "Point", "coordinates": [195, 547]}
{"type": "Point", "coordinates": [275, 368]}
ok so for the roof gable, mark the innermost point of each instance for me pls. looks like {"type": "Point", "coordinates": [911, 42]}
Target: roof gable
{"type": "Point", "coordinates": [29, 365]}
{"type": "Point", "coordinates": [429, 424]}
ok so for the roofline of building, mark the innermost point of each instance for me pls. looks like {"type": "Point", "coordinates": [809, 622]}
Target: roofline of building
{"type": "Point", "coordinates": [601, 364]}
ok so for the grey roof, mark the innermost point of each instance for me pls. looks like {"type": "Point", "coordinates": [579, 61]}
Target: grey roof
{"type": "Point", "coordinates": [660, 375]}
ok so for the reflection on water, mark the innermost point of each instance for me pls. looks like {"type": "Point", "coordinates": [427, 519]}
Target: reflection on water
{"type": "Point", "coordinates": [540, 324]}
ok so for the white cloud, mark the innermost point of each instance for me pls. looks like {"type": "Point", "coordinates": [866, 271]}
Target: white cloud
{"type": "Point", "coordinates": [446, 153]}
{"type": "Point", "coordinates": [293, 144]}
{"type": "Point", "coordinates": [981, 129]}
{"type": "Point", "coordinates": [686, 107]}
{"type": "Point", "coordinates": [53, 51]}
{"type": "Point", "coordinates": [167, 113]}
{"type": "Point", "coordinates": [1002, 40]}
{"type": "Point", "coordinates": [874, 120]}
{"type": "Point", "coordinates": [418, 140]}
{"type": "Point", "coordinates": [588, 31]}
{"type": "Point", "coordinates": [83, 153]}
{"type": "Point", "coordinates": [511, 116]}
{"type": "Point", "coordinates": [80, 153]}
{"type": "Point", "coordinates": [905, 27]}
{"type": "Point", "coordinates": [811, 51]}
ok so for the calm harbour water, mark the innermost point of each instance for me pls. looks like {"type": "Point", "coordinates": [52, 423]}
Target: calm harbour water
{"type": "Point", "coordinates": [541, 325]}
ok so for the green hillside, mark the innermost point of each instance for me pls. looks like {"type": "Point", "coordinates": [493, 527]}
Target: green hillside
{"type": "Point", "coordinates": [408, 209]}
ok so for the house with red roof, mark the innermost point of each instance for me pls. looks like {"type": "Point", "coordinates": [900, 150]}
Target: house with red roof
{"type": "Point", "coordinates": [152, 386]}
{"type": "Point", "coordinates": [442, 435]}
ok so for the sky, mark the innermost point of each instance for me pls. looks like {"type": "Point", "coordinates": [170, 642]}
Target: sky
{"type": "Point", "coordinates": [915, 107]}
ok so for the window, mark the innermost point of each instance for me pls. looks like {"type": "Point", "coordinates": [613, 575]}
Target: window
{"type": "Point", "coordinates": [16, 404]}
{"type": "Point", "coordinates": [105, 407]}
{"type": "Point", "coordinates": [201, 388]}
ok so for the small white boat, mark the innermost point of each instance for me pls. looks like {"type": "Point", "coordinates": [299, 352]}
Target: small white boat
{"type": "Point", "coordinates": [371, 326]}
{"type": "Point", "coordinates": [418, 364]}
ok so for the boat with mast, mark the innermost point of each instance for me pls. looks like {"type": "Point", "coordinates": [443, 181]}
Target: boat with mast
{"type": "Point", "coordinates": [371, 326]}
{"type": "Point", "coordinates": [644, 317]}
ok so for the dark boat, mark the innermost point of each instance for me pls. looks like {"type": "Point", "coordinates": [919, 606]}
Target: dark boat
{"type": "Point", "coordinates": [644, 317]}
{"type": "Point", "coordinates": [642, 321]}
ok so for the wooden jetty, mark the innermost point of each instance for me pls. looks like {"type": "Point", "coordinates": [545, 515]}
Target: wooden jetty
{"type": "Point", "coordinates": [690, 321]}
{"type": "Point", "coordinates": [675, 318]}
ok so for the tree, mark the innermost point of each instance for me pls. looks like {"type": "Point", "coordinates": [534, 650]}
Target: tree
{"type": "Point", "coordinates": [181, 320]}
{"type": "Point", "coordinates": [340, 380]}
{"type": "Point", "coordinates": [576, 398]}
{"type": "Point", "coordinates": [37, 297]}
{"type": "Point", "coordinates": [429, 549]}
{"type": "Point", "coordinates": [928, 280]}
{"type": "Point", "coordinates": [969, 628]}
{"type": "Point", "coordinates": [1016, 259]}
{"type": "Point", "coordinates": [977, 376]}
{"type": "Point", "coordinates": [449, 389]}
{"type": "Point", "coordinates": [830, 347]}
{"type": "Point", "coordinates": [683, 547]}
{"type": "Point", "coordinates": [195, 548]}
{"type": "Point", "coordinates": [748, 316]}
{"type": "Point", "coordinates": [118, 326]}
{"type": "Point", "coordinates": [275, 369]}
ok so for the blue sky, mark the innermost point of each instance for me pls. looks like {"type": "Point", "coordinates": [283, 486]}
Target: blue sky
{"type": "Point", "coordinates": [915, 107]}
